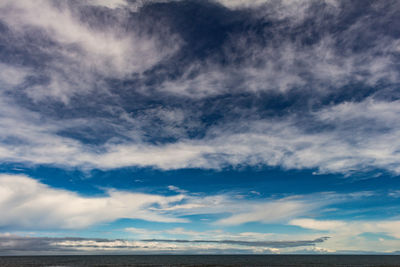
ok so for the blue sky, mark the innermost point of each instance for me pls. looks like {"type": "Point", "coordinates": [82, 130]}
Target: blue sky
{"type": "Point", "coordinates": [188, 126]}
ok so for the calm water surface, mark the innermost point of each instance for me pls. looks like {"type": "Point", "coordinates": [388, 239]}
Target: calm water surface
{"type": "Point", "coordinates": [203, 260]}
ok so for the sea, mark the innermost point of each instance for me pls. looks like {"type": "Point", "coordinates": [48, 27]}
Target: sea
{"type": "Point", "coordinates": [202, 260]}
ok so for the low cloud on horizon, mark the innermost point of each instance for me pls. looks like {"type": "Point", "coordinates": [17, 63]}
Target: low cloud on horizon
{"type": "Point", "coordinates": [14, 245]}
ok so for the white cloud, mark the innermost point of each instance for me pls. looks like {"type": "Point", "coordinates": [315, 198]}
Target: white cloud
{"type": "Point", "coordinates": [28, 245]}
{"type": "Point", "coordinates": [110, 48]}
{"type": "Point", "coordinates": [389, 227]}
{"type": "Point", "coordinates": [25, 202]}
{"type": "Point", "coordinates": [347, 234]}
{"type": "Point", "coordinates": [178, 232]}
{"type": "Point", "coordinates": [84, 53]}
{"type": "Point", "coordinates": [142, 231]}
{"type": "Point", "coordinates": [318, 225]}
{"type": "Point", "coordinates": [361, 136]}
{"type": "Point", "coordinates": [318, 67]}
{"type": "Point", "coordinates": [270, 212]}
{"type": "Point", "coordinates": [177, 189]}
{"type": "Point", "coordinates": [184, 245]}
{"type": "Point", "coordinates": [294, 11]}
{"type": "Point", "coordinates": [322, 67]}
{"type": "Point", "coordinates": [394, 194]}
{"type": "Point", "coordinates": [282, 209]}
{"type": "Point", "coordinates": [236, 211]}
{"type": "Point", "coordinates": [291, 7]}
{"type": "Point", "coordinates": [11, 76]}
{"type": "Point", "coordinates": [108, 3]}
{"type": "Point", "coordinates": [215, 234]}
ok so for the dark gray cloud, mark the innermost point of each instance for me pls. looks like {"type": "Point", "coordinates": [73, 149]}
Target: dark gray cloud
{"type": "Point", "coordinates": [13, 244]}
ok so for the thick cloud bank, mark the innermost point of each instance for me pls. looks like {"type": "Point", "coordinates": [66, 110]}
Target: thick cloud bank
{"type": "Point", "coordinates": [203, 84]}
{"type": "Point", "coordinates": [13, 244]}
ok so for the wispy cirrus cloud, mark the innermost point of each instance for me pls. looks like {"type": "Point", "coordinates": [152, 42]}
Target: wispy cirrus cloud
{"type": "Point", "coordinates": [79, 53]}
{"type": "Point", "coordinates": [110, 86]}
{"type": "Point", "coordinates": [346, 137]}
{"type": "Point", "coordinates": [27, 203]}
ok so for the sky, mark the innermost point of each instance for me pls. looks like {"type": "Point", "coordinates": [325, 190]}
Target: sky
{"type": "Point", "coordinates": [199, 127]}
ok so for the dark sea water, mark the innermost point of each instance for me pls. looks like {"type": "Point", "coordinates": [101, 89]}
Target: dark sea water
{"type": "Point", "coordinates": [204, 260]}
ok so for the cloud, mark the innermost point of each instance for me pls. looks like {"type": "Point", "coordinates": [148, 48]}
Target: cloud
{"type": "Point", "coordinates": [394, 194]}
{"type": "Point", "coordinates": [28, 245]}
{"type": "Point", "coordinates": [11, 244]}
{"type": "Point", "coordinates": [270, 212]}
{"type": "Point", "coordinates": [313, 61]}
{"type": "Point", "coordinates": [196, 84]}
{"type": "Point", "coordinates": [180, 233]}
{"type": "Point", "coordinates": [389, 227]}
{"type": "Point", "coordinates": [12, 75]}
{"type": "Point", "coordinates": [115, 86]}
{"type": "Point", "coordinates": [281, 8]}
{"type": "Point", "coordinates": [352, 235]}
{"type": "Point", "coordinates": [239, 211]}
{"type": "Point", "coordinates": [80, 50]}
{"type": "Point", "coordinates": [108, 3]}
{"type": "Point", "coordinates": [234, 211]}
{"type": "Point", "coordinates": [317, 225]}
{"type": "Point", "coordinates": [25, 245]}
{"type": "Point", "coordinates": [347, 137]}
{"type": "Point", "coordinates": [176, 189]}
{"type": "Point", "coordinates": [273, 244]}
{"type": "Point", "coordinates": [27, 203]}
